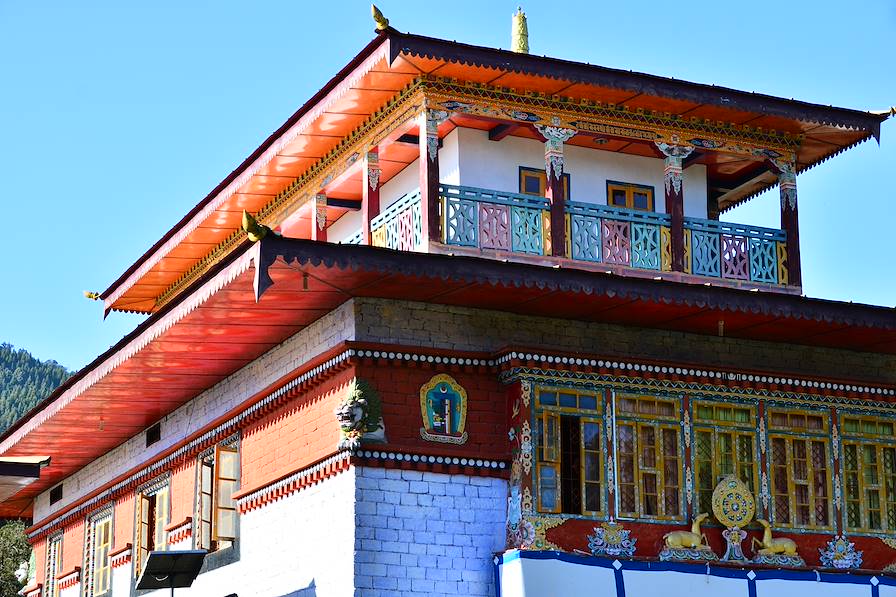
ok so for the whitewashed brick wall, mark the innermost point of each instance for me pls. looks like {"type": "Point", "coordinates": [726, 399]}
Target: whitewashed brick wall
{"type": "Point", "coordinates": [427, 533]}
{"type": "Point", "coordinates": [319, 337]}
{"type": "Point", "coordinates": [301, 545]}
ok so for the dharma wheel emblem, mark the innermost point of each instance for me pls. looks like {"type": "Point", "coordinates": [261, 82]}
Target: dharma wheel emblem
{"type": "Point", "coordinates": [732, 503]}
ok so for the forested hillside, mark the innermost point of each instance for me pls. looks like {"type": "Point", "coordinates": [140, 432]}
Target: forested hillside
{"type": "Point", "coordinates": [24, 381]}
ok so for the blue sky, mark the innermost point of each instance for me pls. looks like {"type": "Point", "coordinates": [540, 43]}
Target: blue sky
{"type": "Point", "coordinates": [117, 117]}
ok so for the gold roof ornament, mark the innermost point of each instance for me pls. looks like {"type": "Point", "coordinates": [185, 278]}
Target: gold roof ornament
{"type": "Point", "coordinates": [251, 227]}
{"type": "Point", "coordinates": [519, 36]}
{"type": "Point", "coordinates": [382, 23]}
{"type": "Point", "coordinates": [89, 294]}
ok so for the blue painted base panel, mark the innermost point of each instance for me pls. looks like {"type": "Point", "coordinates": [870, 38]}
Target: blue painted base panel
{"type": "Point", "coordinates": [550, 573]}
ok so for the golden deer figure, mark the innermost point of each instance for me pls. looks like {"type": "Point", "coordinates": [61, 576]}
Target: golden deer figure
{"type": "Point", "coordinates": [770, 546]}
{"type": "Point", "coordinates": [684, 539]}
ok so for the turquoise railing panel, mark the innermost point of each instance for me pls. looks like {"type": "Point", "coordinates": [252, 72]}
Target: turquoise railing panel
{"type": "Point", "coordinates": [646, 248]}
{"type": "Point", "coordinates": [585, 241]}
{"type": "Point", "coordinates": [526, 230]}
{"type": "Point", "coordinates": [400, 226]}
{"type": "Point", "coordinates": [763, 260]}
{"type": "Point", "coordinates": [705, 254]}
{"type": "Point", "coordinates": [461, 222]}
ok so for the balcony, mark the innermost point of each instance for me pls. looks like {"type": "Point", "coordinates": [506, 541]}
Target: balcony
{"type": "Point", "coordinates": [516, 227]}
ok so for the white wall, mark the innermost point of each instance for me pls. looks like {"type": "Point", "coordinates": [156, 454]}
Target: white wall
{"type": "Point", "coordinates": [421, 533]}
{"type": "Point", "coordinates": [495, 165]}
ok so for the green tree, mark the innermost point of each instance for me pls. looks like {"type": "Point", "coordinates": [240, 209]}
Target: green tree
{"type": "Point", "coordinates": [14, 549]}
{"type": "Point", "coordinates": [24, 381]}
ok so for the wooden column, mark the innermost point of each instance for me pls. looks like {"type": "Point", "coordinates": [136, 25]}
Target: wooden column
{"type": "Point", "coordinates": [370, 193]}
{"type": "Point", "coordinates": [790, 221]}
{"type": "Point", "coordinates": [429, 121]}
{"type": "Point", "coordinates": [319, 218]}
{"type": "Point", "coordinates": [674, 196]}
{"type": "Point", "coordinates": [555, 137]}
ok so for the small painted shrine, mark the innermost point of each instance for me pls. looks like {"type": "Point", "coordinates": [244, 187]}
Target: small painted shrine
{"type": "Point", "coordinates": [473, 322]}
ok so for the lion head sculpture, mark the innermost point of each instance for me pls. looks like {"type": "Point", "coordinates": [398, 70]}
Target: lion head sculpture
{"type": "Point", "coordinates": [360, 416]}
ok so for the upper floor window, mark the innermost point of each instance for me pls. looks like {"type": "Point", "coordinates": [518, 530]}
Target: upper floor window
{"type": "Point", "coordinates": [219, 473]}
{"type": "Point", "coordinates": [798, 469]}
{"type": "Point", "coordinates": [724, 444]}
{"type": "Point", "coordinates": [649, 463]}
{"type": "Point", "coordinates": [570, 469]}
{"type": "Point", "coordinates": [869, 474]}
{"type": "Point", "coordinates": [54, 565]}
{"type": "Point", "coordinates": [153, 515]}
{"type": "Point", "coordinates": [98, 569]}
{"type": "Point", "coordinates": [534, 182]}
{"type": "Point", "coordinates": [629, 196]}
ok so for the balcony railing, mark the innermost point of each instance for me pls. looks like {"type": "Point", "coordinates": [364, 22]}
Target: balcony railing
{"type": "Point", "coordinates": [516, 223]}
{"type": "Point", "coordinates": [400, 226]}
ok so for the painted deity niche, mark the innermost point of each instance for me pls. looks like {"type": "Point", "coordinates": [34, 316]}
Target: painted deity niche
{"type": "Point", "coordinates": [443, 405]}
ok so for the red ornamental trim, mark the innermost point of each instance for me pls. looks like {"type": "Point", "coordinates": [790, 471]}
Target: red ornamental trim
{"type": "Point", "coordinates": [121, 557]}
{"type": "Point", "coordinates": [452, 465]}
{"type": "Point", "coordinates": [68, 579]}
{"type": "Point", "coordinates": [256, 498]}
{"type": "Point", "coordinates": [34, 591]}
{"type": "Point", "coordinates": [182, 532]}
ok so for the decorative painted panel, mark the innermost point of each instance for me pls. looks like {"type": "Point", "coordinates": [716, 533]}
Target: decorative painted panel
{"type": "Point", "coordinates": [735, 262]}
{"type": "Point", "coordinates": [460, 222]}
{"type": "Point", "coordinates": [585, 238]}
{"type": "Point", "coordinates": [763, 261]}
{"type": "Point", "coordinates": [705, 253]}
{"type": "Point", "coordinates": [645, 246]}
{"type": "Point", "coordinates": [616, 242]}
{"type": "Point", "coordinates": [526, 236]}
{"type": "Point", "coordinates": [400, 226]}
{"type": "Point", "coordinates": [494, 226]}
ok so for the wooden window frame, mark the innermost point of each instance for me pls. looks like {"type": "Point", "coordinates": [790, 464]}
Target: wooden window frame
{"type": "Point", "coordinates": [53, 565]}
{"type": "Point", "coordinates": [861, 440]}
{"type": "Point", "coordinates": [548, 457]}
{"type": "Point", "coordinates": [98, 576]}
{"type": "Point", "coordinates": [658, 423]}
{"type": "Point", "coordinates": [152, 514]}
{"type": "Point", "coordinates": [790, 490]}
{"type": "Point", "coordinates": [212, 495]}
{"type": "Point", "coordinates": [630, 188]}
{"type": "Point", "coordinates": [716, 426]}
{"type": "Point", "coordinates": [542, 182]}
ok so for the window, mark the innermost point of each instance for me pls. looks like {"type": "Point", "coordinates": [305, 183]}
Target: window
{"type": "Point", "coordinates": [97, 578]}
{"type": "Point", "coordinates": [570, 449]}
{"type": "Point", "coordinates": [799, 470]}
{"type": "Point", "coordinates": [724, 444]}
{"type": "Point", "coordinates": [56, 494]}
{"type": "Point", "coordinates": [869, 474]}
{"type": "Point", "coordinates": [54, 565]}
{"type": "Point", "coordinates": [153, 434]}
{"type": "Point", "coordinates": [534, 182]}
{"type": "Point", "coordinates": [216, 509]}
{"type": "Point", "coordinates": [629, 196]}
{"type": "Point", "coordinates": [648, 457]}
{"type": "Point", "coordinates": [153, 515]}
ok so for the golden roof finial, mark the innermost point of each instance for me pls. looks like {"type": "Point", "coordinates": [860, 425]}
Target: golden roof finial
{"type": "Point", "coordinates": [519, 36]}
{"type": "Point", "coordinates": [382, 23]}
{"type": "Point", "coordinates": [94, 296]}
{"type": "Point", "coordinates": [252, 228]}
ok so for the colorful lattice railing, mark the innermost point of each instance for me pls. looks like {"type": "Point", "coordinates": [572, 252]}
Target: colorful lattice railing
{"type": "Point", "coordinates": [737, 252]}
{"type": "Point", "coordinates": [400, 226]}
{"type": "Point", "coordinates": [605, 234]}
{"type": "Point", "coordinates": [488, 219]}
{"type": "Point", "coordinates": [354, 239]}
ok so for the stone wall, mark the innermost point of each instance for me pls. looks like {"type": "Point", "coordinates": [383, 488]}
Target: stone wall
{"type": "Point", "coordinates": [460, 328]}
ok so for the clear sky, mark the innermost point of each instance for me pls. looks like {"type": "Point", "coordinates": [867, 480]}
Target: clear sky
{"type": "Point", "coordinates": [117, 117]}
